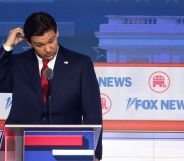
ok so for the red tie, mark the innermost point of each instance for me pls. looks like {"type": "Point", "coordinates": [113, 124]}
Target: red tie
{"type": "Point", "coordinates": [44, 81]}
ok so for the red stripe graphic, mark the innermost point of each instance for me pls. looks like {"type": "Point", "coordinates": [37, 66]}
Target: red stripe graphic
{"type": "Point", "coordinates": [43, 140]}
{"type": "Point", "coordinates": [2, 122]}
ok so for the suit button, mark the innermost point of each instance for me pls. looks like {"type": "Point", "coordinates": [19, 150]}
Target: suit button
{"type": "Point", "coordinates": [44, 118]}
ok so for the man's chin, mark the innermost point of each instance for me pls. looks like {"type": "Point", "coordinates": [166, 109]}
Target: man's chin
{"type": "Point", "coordinates": [50, 57]}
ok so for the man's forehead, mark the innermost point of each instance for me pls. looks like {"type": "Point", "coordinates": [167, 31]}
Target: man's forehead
{"type": "Point", "coordinates": [43, 38]}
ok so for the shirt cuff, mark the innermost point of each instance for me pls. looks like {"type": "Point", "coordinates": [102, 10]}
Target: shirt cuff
{"type": "Point", "coordinates": [7, 48]}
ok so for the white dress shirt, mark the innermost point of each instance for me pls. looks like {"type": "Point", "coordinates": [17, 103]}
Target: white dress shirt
{"type": "Point", "coordinates": [50, 64]}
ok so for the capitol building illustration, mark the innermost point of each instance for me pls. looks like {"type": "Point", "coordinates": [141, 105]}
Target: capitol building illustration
{"type": "Point", "coordinates": [149, 39]}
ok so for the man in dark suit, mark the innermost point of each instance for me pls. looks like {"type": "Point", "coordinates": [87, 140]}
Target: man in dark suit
{"type": "Point", "coordinates": [75, 96]}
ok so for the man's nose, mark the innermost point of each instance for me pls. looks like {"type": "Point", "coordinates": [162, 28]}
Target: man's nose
{"type": "Point", "coordinates": [47, 48]}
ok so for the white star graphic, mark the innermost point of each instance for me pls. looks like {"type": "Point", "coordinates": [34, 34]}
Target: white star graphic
{"type": "Point", "coordinates": [137, 1]}
{"type": "Point", "coordinates": [101, 53]}
{"type": "Point", "coordinates": [167, 1]}
{"type": "Point", "coordinates": [26, 47]}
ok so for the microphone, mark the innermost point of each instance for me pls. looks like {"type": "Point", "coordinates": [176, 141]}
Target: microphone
{"type": "Point", "coordinates": [48, 73]}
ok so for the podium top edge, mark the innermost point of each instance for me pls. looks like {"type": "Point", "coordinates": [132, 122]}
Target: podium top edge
{"type": "Point", "coordinates": [51, 126]}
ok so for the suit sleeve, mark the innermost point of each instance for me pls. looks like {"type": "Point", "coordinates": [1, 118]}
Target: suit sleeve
{"type": "Point", "coordinates": [5, 76]}
{"type": "Point", "coordinates": [91, 102]}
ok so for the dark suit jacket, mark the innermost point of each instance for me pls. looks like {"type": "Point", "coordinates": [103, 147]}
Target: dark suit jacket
{"type": "Point", "coordinates": [75, 97]}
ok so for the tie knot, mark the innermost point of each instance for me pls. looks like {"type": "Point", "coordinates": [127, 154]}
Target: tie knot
{"type": "Point", "coordinates": [45, 62]}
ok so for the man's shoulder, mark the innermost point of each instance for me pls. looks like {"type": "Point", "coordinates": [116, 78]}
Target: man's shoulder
{"type": "Point", "coordinates": [24, 54]}
{"type": "Point", "coordinates": [71, 54]}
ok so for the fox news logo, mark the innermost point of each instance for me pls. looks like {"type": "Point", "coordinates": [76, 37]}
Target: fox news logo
{"type": "Point", "coordinates": [115, 81]}
{"type": "Point", "coordinates": [151, 104]}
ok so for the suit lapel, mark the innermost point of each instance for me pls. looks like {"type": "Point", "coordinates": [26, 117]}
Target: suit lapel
{"type": "Point", "coordinates": [59, 70]}
{"type": "Point", "coordinates": [33, 73]}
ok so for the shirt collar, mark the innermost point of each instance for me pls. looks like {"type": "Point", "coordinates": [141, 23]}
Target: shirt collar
{"type": "Point", "coordinates": [51, 62]}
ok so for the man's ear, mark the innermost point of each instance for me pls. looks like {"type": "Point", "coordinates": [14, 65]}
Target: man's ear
{"type": "Point", "coordinates": [57, 34]}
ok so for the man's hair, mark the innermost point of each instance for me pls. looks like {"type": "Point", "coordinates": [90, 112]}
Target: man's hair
{"type": "Point", "coordinates": [37, 24]}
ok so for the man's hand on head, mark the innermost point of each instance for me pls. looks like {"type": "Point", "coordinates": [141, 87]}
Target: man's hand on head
{"type": "Point", "coordinates": [15, 36]}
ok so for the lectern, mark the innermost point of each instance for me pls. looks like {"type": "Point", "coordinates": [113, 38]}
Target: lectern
{"type": "Point", "coordinates": [50, 142]}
